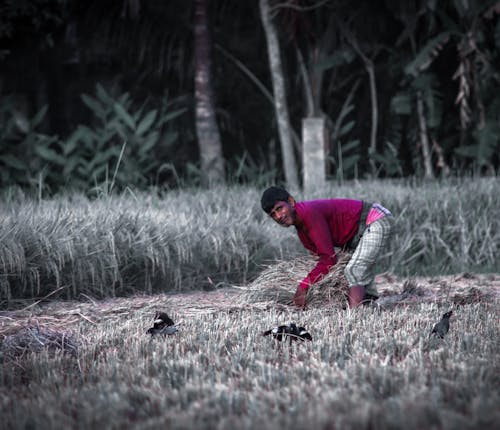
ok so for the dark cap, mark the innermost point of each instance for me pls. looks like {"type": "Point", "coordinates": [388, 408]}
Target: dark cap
{"type": "Point", "coordinates": [273, 195]}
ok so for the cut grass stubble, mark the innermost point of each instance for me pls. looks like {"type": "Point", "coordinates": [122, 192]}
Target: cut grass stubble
{"type": "Point", "coordinates": [364, 369]}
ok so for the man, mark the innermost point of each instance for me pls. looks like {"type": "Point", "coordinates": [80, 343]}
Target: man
{"type": "Point", "coordinates": [324, 224]}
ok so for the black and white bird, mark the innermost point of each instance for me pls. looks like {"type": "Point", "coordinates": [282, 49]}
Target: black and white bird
{"type": "Point", "coordinates": [288, 332]}
{"type": "Point", "coordinates": [442, 327]}
{"type": "Point", "coordinates": [163, 325]}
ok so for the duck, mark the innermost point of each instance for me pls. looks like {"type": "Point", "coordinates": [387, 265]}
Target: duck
{"type": "Point", "coordinates": [290, 331]}
{"type": "Point", "coordinates": [163, 325]}
{"type": "Point", "coordinates": [442, 327]}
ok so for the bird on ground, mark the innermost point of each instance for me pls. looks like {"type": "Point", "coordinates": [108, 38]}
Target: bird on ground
{"type": "Point", "coordinates": [163, 325]}
{"type": "Point", "coordinates": [291, 332]}
{"type": "Point", "coordinates": [441, 328]}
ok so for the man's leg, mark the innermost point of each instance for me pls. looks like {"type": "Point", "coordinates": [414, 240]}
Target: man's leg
{"type": "Point", "coordinates": [359, 271]}
{"type": "Point", "coordinates": [356, 295]}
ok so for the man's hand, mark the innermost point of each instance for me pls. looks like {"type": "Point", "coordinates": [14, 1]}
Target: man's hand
{"type": "Point", "coordinates": [300, 297]}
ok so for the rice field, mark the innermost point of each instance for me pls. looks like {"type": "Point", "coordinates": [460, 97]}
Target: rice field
{"type": "Point", "coordinates": [81, 280]}
{"type": "Point", "coordinates": [183, 240]}
{"type": "Point", "coordinates": [365, 368]}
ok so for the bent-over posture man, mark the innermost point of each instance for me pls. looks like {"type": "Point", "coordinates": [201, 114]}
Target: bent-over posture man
{"type": "Point", "coordinates": [324, 224]}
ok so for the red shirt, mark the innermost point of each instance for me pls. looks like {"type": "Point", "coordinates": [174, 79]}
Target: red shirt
{"type": "Point", "coordinates": [326, 224]}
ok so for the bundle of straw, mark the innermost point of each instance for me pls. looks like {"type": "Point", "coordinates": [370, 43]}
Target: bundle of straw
{"type": "Point", "coordinates": [35, 339]}
{"type": "Point", "coordinates": [278, 283]}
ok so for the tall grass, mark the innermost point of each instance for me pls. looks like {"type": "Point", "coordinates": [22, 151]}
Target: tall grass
{"type": "Point", "coordinates": [192, 239]}
{"type": "Point", "coordinates": [441, 226]}
{"type": "Point", "coordinates": [130, 243]}
{"type": "Point", "coordinates": [363, 369]}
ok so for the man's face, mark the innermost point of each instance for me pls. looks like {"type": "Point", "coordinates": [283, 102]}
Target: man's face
{"type": "Point", "coordinates": [284, 213]}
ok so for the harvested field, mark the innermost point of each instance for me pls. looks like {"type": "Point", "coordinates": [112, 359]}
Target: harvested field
{"type": "Point", "coordinates": [330, 293]}
{"type": "Point", "coordinates": [90, 364]}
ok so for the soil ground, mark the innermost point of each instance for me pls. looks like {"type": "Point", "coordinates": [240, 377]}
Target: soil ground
{"type": "Point", "coordinates": [452, 290]}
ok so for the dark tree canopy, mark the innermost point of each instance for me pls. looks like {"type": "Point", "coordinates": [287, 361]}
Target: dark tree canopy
{"type": "Point", "coordinates": [82, 77]}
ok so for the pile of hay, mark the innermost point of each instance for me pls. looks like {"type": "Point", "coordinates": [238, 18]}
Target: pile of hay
{"type": "Point", "coordinates": [35, 338]}
{"type": "Point", "coordinates": [278, 283]}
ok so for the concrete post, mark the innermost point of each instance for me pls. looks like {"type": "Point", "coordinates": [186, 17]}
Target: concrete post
{"type": "Point", "coordinates": [313, 154]}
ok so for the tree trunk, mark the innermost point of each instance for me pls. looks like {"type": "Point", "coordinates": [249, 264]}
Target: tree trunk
{"type": "Point", "coordinates": [424, 140]}
{"type": "Point", "coordinates": [373, 97]}
{"type": "Point", "coordinates": [368, 63]}
{"type": "Point", "coordinates": [209, 143]}
{"type": "Point", "coordinates": [441, 162]}
{"type": "Point", "coordinates": [308, 91]}
{"type": "Point", "coordinates": [289, 163]}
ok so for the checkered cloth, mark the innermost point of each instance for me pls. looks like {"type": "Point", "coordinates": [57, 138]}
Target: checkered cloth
{"type": "Point", "coordinates": [359, 270]}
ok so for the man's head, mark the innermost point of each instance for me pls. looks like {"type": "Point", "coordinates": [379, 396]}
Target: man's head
{"type": "Point", "coordinates": [273, 195]}
{"type": "Point", "coordinates": [280, 205]}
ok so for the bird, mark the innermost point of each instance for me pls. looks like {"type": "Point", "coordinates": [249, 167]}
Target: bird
{"type": "Point", "coordinates": [441, 328]}
{"type": "Point", "coordinates": [291, 332]}
{"type": "Point", "coordinates": [163, 325]}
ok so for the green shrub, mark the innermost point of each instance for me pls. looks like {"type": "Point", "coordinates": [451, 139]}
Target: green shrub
{"type": "Point", "coordinates": [118, 150]}
{"type": "Point", "coordinates": [19, 138]}
{"type": "Point", "coordinates": [121, 147]}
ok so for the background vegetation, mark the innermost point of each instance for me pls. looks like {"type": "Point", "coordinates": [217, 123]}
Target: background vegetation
{"type": "Point", "coordinates": [192, 239]}
{"type": "Point", "coordinates": [406, 88]}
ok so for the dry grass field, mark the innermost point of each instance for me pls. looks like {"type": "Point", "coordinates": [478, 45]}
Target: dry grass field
{"type": "Point", "coordinates": [81, 280]}
{"type": "Point", "coordinates": [371, 368]}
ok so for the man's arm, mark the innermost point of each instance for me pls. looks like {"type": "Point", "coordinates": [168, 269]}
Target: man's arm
{"type": "Point", "coordinates": [320, 235]}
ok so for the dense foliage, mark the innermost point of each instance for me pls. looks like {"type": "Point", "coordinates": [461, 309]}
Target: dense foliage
{"type": "Point", "coordinates": [426, 70]}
